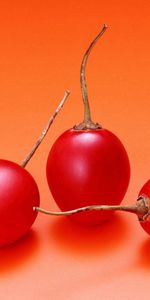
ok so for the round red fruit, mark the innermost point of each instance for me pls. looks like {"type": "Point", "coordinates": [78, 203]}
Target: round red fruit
{"type": "Point", "coordinates": [18, 195]}
{"type": "Point", "coordinates": [88, 167]}
{"type": "Point", "coordinates": [145, 193]}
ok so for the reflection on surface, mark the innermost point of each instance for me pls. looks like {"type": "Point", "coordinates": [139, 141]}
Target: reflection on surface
{"type": "Point", "coordinates": [18, 253]}
{"type": "Point", "coordinates": [144, 255]}
{"type": "Point", "coordinates": [88, 240]}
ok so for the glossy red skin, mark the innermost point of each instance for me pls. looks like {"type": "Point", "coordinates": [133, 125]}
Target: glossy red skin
{"type": "Point", "coordinates": [18, 194]}
{"type": "Point", "coordinates": [88, 167]}
{"type": "Point", "coordinates": [145, 191]}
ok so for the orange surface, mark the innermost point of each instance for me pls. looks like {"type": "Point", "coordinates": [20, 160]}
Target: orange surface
{"type": "Point", "coordinates": [42, 44]}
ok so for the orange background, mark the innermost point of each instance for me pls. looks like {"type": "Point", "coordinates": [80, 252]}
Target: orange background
{"type": "Point", "coordinates": [41, 47]}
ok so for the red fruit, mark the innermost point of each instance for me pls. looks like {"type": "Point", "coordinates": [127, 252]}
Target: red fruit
{"type": "Point", "coordinates": [145, 193]}
{"type": "Point", "coordinates": [88, 165]}
{"type": "Point", "coordinates": [145, 190]}
{"type": "Point", "coordinates": [18, 195]}
{"type": "Point", "coordinates": [88, 168]}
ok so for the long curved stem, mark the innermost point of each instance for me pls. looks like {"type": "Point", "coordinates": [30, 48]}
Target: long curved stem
{"type": "Point", "coordinates": [87, 112]}
{"type": "Point", "coordinates": [87, 123]}
{"type": "Point", "coordinates": [132, 209]}
{"type": "Point", "coordinates": [141, 209]}
{"type": "Point", "coordinates": [44, 132]}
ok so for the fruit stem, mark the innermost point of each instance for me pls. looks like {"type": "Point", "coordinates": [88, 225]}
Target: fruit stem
{"type": "Point", "coordinates": [44, 132]}
{"type": "Point", "coordinates": [132, 209]}
{"type": "Point", "coordinates": [87, 122]}
{"type": "Point", "coordinates": [141, 209]}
